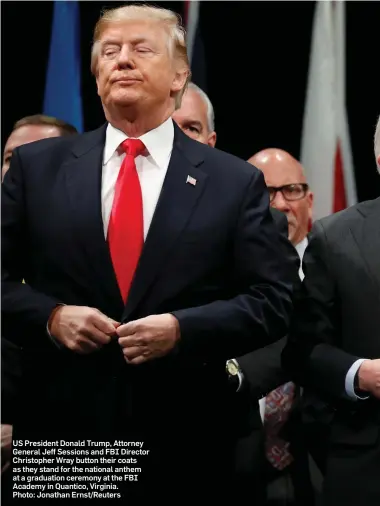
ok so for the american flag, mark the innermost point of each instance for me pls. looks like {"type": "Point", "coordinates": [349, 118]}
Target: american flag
{"type": "Point", "coordinates": [191, 180]}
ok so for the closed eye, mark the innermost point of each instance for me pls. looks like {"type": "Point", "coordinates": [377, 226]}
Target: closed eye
{"type": "Point", "coordinates": [110, 49]}
{"type": "Point", "coordinates": [143, 50]}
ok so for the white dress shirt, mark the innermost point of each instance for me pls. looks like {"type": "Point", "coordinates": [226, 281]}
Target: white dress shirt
{"type": "Point", "coordinates": [301, 247]}
{"type": "Point", "coordinates": [151, 169]}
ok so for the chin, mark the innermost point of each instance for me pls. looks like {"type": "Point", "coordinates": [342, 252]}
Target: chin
{"type": "Point", "coordinates": [123, 98]}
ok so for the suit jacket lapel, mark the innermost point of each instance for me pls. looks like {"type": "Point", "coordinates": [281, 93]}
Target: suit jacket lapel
{"type": "Point", "coordinates": [176, 204]}
{"type": "Point", "coordinates": [367, 236]}
{"type": "Point", "coordinates": [83, 182]}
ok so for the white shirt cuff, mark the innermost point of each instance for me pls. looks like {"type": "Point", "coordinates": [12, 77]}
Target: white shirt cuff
{"type": "Point", "coordinates": [350, 377]}
{"type": "Point", "coordinates": [241, 379]}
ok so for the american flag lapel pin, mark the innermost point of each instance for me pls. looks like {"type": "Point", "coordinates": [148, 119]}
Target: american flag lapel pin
{"type": "Point", "coordinates": [191, 180]}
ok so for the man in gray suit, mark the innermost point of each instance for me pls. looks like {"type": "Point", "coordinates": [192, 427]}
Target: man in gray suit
{"type": "Point", "coordinates": [334, 345]}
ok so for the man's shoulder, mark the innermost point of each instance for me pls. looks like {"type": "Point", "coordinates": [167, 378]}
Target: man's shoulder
{"type": "Point", "coordinates": [233, 165]}
{"type": "Point", "coordinates": [342, 220]}
{"type": "Point", "coordinates": [219, 164]}
{"type": "Point", "coordinates": [57, 145]}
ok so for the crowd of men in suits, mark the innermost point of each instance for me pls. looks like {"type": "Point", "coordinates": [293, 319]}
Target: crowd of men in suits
{"type": "Point", "coordinates": [217, 322]}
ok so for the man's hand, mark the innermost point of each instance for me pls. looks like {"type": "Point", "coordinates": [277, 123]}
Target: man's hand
{"type": "Point", "coordinates": [148, 338]}
{"type": "Point", "coordinates": [82, 329]}
{"type": "Point", "coordinates": [369, 377]}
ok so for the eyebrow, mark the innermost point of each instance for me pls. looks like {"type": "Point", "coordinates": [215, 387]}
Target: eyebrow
{"type": "Point", "coordinates": [139, 40]}
{"type": "Point", "coordinates": [107, 42]}
{"type": "Point", "coordinates": [116, 42]}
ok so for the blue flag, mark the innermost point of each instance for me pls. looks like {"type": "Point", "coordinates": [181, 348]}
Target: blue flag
{"type": "Point", "coordinates": [63, 83]}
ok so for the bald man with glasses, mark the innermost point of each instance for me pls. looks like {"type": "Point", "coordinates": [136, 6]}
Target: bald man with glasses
{"type": "Point", "coordinates": [288, 192]}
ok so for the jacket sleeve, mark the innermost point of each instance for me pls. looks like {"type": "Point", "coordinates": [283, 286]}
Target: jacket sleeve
{"type": "Point", "coordinates": [262, 369]}
{"type": "Point", "coordinates": [23, 308]}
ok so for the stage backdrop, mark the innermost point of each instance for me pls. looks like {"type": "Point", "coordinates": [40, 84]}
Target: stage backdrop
{"type": "Point", "coordinates": [256, 54]}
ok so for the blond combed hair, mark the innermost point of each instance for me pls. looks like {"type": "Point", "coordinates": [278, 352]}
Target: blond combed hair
{"type": "Point", "coordinates": [172, 22]}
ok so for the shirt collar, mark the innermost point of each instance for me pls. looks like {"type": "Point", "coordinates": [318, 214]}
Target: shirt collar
{"type": "Point", "coordinates": [159, 142]}
{"type": "Point", "coordinates": [301, 247]}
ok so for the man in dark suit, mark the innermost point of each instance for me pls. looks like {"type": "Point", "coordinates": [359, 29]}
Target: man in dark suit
{"type": "Point", "coordinates": [334, 347]}
{"type": "Point", "coordinates": [149, 259]}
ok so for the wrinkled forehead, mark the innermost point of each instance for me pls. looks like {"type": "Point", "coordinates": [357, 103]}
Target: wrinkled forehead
{"type": "Point", "coordinates": [134, 31]}
{"type": "Point", "coordinates": [278, 173]}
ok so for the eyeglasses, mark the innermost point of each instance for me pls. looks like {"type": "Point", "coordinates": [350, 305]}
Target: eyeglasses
{"type": "Point", "coordinates": [295, 191]}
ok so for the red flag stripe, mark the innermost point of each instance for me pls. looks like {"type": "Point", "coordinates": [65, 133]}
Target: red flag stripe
{"type": "Point", "coordinates": [340, 200]}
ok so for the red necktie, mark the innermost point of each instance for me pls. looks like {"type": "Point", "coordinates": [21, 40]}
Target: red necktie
{"type": "Point", "coordinates": [126, 225]}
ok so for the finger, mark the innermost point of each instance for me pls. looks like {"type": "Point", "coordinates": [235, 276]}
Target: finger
{"type": "Point", "coordinates": [135, 351]}
{"type": "Point", "coordinates": [133, 340]}
{"type": "Point", "coordinates": [84, 346]}
{"type": "Point", "coordinates": [96, 336]}
{"type": "Point", "coordinates": [115, 323]}
{"type": "Point", "coordinates": [127, 329]}
{"type": "Point", "coordinates": [138, 360]}
{"type": "Point", "coordinates": [103, 323]}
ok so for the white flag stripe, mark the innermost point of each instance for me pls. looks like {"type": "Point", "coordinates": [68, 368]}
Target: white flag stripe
{"type": "Point", "coordinates": [318, 126]}
{"type": "Point", "coordinates": [191, 28]}
{"type": "Point", "coordinates": [325, 119]}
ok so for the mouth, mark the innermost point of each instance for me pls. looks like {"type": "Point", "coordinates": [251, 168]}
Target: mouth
{"type": "Point", "coordinates": [126, 80]}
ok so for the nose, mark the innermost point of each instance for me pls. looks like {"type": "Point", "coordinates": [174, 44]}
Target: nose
{"type": "Point", "coordinates": [280, 203]}
{"type": "Point", "coordinates": [125, 58]}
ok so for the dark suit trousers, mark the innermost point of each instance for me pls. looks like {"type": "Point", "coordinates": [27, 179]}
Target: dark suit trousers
{"type": "Point", "coordinates": [344, 486]}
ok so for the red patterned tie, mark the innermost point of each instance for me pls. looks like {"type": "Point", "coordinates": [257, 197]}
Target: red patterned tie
{"type": "Point", "coordinates": [277, 408]}
{"type": "Point", "coordinates": [126, 225]}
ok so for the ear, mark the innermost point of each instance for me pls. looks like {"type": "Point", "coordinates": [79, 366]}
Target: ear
{"type": "Point", "coordinates": [310, 198]}
{"type": "Point", "coordinates": [180, 78]}
{"type": "Point", "coordinates": [211, 139]}
{"type": "Point", "coordinates": [97, 84]}
{"type": "Point", "coordinates": [378, 161]}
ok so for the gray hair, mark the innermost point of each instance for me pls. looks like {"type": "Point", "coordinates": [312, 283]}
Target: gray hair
{"type": "Point", "coordinates": [377, 144]}
{"type": "Point", "coordinates": [207, 101]}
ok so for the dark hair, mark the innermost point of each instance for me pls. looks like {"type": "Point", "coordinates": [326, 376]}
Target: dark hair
{"type": "Point", "coordinates": [41, 119]}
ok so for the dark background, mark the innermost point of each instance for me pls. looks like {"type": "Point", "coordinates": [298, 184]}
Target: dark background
{"type": "Point", "coordinates": [257, 57]}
